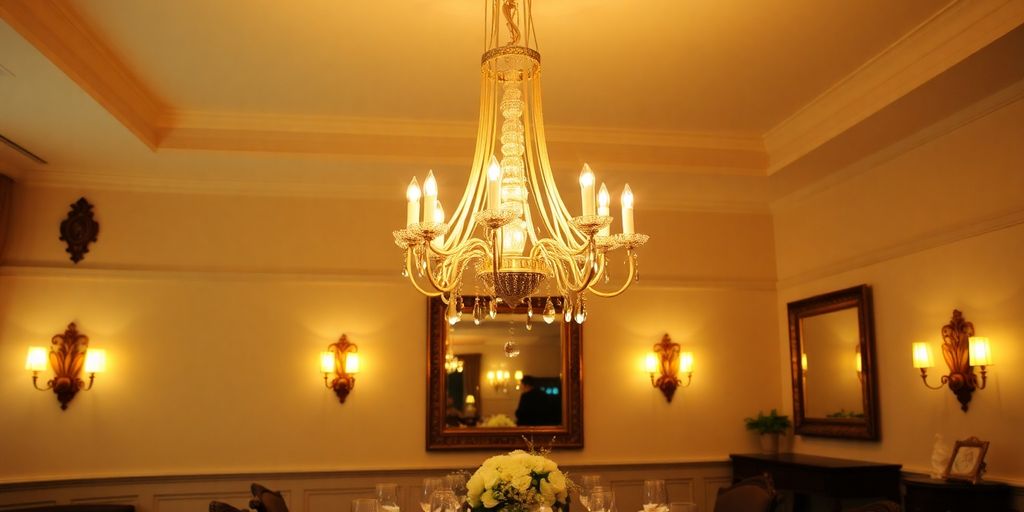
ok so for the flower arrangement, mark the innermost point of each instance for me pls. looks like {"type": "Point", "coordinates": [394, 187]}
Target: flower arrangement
{"type": "Point", "coordinates": [498, 420]}
{"type": "Point", "coordinates": [519, 481]}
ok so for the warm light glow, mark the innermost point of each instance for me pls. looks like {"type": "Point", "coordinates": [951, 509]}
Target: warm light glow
{"type": "Point", "coordinates": [36, 359]}
{"type": "Point", "coordinates": [470, 399]}
{"type": "Point", "coordinates": [603, 199]}
{"type": "Point", "coordinates": [490, 377]}
{"type": "Point", "coordinates": [803, 362]}
{"type": "Point", "coordinates": [587, 176]}
{"type": "Point", "coordinates": [438, 213]}
{"type": "Point", "coordinates": [981, 354]}
{"type": "Point", "coordinates": [923, 355]}
{"type": "Point", "coordinates": [627, 211]}
{"type": "Point", "coordinates": [859, 363]}
{"type": "Point", "coordinates": [95, 360]}
{"type": "Point", "coordinates": [651, 363]}
{"type": "Point", "coordinates": [430, 185]}
{"type": "Point", "coordinates": [351, 363]}
{"type": "Point", "coordinates": [686, 362]}
{"type": "Point", "coordinates": [519, 375]}
{"type": "Point", "coordinates": [326, 362]}
{"type": "Point", "coordinates": [413, 193]}
{"type": "Point", "coordinates": [513, 238]}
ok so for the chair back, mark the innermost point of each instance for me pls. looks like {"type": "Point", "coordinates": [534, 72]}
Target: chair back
{"type": "Point", "coordinates": [265, 500]}
{"type": "Point", "coordinates": [220, 506]}
{"type": "Point", "coordinates": [755, 494]}
{"type": "Point", "coordinates": [878, 506]}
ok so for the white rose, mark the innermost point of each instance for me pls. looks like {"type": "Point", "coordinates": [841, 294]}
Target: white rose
{"type": "Point", "coordinates": [547, 492]}
{"type": "Point", "coordinates": [557, 480]}
{"type": "Point", "coordinates": [488, 477]}
{"type": "Point", "coordinates": [475, 487]}
{"type": "Point", "coordinates": [488, 499]}
{"type": "Point", "coordinates": [522, 481]}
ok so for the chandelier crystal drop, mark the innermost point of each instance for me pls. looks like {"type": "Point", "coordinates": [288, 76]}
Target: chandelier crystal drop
{"type": "Point", "coordinates": [512, 237]}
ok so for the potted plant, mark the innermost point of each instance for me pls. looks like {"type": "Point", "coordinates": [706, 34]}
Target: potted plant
{"type": "Point", "coordinates": [769, 427]}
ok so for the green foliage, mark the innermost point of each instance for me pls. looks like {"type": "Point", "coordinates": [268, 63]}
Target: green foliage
{"type": "Point", "coordinates": [773, 423]}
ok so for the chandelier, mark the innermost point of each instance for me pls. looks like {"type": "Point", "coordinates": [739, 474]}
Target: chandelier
{"type": "Point", "coordinates": [511, 236]}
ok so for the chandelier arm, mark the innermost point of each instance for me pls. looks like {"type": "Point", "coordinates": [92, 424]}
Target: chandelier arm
{"type": "Point", "coordinates": [462, 217]}
{"type": "Point", "coordinates": [410, 269]}
{"type": "Point", "coordinates": [433, 280]}
{"type": "Point", "coordinates": [573, 236]}
{"type": "Point", "coordinates": [590, 275]}
{"type": "Point", "coordinates": [629, 280]}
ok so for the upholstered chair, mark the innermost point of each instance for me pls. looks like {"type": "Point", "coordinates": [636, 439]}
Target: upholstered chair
{"type": "Point", "coordinates": [878, 506]}
{"type": "Point", "coordinates": [265, 500]}
{"type": "Point", "coordinates": [755, 494]}
{"type": "Point", "coordinates": [220, 506]}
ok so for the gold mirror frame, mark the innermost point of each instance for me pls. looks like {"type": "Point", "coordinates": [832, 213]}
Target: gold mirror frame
{"type": "Point", "coordinates": [867, 428]}
{"type": "Point", "coordinates": [439, 437]}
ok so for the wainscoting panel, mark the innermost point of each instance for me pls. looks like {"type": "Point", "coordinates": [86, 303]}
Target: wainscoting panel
{"type": "Point", "coordinates": [334, 491]}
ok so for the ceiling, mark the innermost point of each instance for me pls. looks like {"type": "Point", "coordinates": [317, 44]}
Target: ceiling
{"type": "Point", "coordinates": [358, 95]}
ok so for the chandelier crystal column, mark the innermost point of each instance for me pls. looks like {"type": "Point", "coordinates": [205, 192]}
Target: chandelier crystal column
{"type": "Point", "coordinates": [511, 236]}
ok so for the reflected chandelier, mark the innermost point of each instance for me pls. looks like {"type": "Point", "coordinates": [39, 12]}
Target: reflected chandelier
{"type": "Point", "coordinates": [512, 235]}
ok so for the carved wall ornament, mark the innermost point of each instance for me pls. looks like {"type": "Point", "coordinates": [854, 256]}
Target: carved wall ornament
{"type": "Point", "coordinates": [79, 229]}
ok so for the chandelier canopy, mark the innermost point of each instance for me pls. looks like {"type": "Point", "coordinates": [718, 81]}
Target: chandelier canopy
{"type": "Point", "coordinates": [511, 236]}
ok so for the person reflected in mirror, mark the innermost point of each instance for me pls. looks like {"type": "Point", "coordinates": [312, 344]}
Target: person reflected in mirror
{"type": "Point", "coordinates": [535, 406]}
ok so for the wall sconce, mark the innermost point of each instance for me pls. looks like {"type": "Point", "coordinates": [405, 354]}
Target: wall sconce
{"type": "Point", "coordinates": [666, 362]}
{"type": "Point", "coordinates": [69, 355]}
{"type": "Point", "coordinates": [962, 351]}
{"type": "Point", "coordinates": [342, 361]}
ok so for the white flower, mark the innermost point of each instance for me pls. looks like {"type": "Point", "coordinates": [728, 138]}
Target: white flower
{"type": "Point", "coordinates": [488, 499]}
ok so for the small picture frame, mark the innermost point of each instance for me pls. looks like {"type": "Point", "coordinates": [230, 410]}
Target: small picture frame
{"type": "Point", "coordinates": [968, 460]}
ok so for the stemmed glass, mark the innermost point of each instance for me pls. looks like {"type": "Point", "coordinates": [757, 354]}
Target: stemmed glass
{"type": "Point", "coordinates": [387, 496]}
{"type": "Point", "coordinates": [587, 485]}
{"type": "Point", "coordinates": [444, 500]}
{"type": "Point", "coordinates": [430, 486]}
{"type": "Point", "coordinates": [365, 505]}
{"type": "Point", "coordinates": [655, 497]}
{"type": "Point", "coordinates": [457, 483]}
{"type": "Point", "coordinates": [602, 500]}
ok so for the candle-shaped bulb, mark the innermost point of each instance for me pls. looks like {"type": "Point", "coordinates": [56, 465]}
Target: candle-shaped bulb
{"type": "Point", "coordinates": [429, 197]}
{"type": "Point", "coordinates": [412, 211]}
{"type": "Point", "coordinates": [493, 185]}
{"type": "Point", "coordinates": [627, 211]}
{"type": "Point", "coordinates": [587, 189]}
{"type": "Point", "coordinates": [603, 199]}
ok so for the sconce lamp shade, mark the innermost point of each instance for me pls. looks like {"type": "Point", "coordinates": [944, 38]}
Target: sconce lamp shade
{"type": "Point", "coordinates": [923, 355]}
{"type": "Point", "coordinates": [803, 362]}
{"type": "Point", "coordinates": [36, 359]}
{"type": "Point", "coordinates": [859, 363]}
{"type": "Point", "coordinates": [490, 377]}
{"type": "Point", "coordinates": [651, 363]}
{"type": "Point", "coordinates": [519, 375]}
{"type": "Point", "coordinates": [95, 360]}
{"type": "Point", "coordinates": [352, 363]}
{"type": "Point", "coordinates": [470, 399]}
{"type": "Point", "coordinates": [686, 362]}
{"type": "Point", "coordinates": [327, 362]}
{"type": "Point", "coordinates": [981, 354]}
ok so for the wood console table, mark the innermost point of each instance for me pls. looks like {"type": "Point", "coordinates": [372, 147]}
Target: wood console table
{"type": "Point", "coordinates": [927, 495]}
{"type": "Point", "coordinates": [836, 479]}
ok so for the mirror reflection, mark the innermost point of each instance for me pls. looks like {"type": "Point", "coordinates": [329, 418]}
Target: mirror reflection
{"type": "Point", "coordinates": [499, 374]}
{"type": "Point", "coordinates": [831, 365]}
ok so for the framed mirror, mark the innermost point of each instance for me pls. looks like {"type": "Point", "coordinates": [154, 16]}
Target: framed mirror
{"type": "Point", "coordinates": [832, 357]}
{"type": "Point", "coordinates": [492, 385]}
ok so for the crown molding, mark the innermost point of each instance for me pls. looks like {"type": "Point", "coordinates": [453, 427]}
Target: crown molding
{"type": "Point", "coordinates": [60, 34]}
{"type": "Point", "coordinates": [951, 35]}
{"type": "Point", "coordinates": [931, 240]}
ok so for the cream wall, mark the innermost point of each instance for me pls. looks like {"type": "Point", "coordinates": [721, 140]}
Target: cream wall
{"type": "Point", "coordinates": [937, 228]}
{"type": "Point", "coordinates": [213, 309]}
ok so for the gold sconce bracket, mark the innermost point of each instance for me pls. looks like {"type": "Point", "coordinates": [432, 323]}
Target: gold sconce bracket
{"type": "Point", "coordinates": [958, 348]}
{"type": "Point", "coordinates": [67, 358]}
{"type": "Point", "coordinates": [343, 373]}
{"type": "Point", "coordinates": [665, 373]}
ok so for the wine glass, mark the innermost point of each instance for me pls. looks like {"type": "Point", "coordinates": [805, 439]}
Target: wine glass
{"type": "Point", "coordinates": [430, 486]}
{"type": "Point", "coordinates": [457, 483]}
{"type": "Point", "coordinates": [602, 500]}
{"type": "Point", "coordinates": [655, 497]}
{"type": "Point", "coordinates": [387, 497]}
{"type": "Point", "coordinates": [365, 505]}
{"type": "Point", "coordinates": [444, 500]}
{"type": "Point", "coordinates": [587, 485]}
